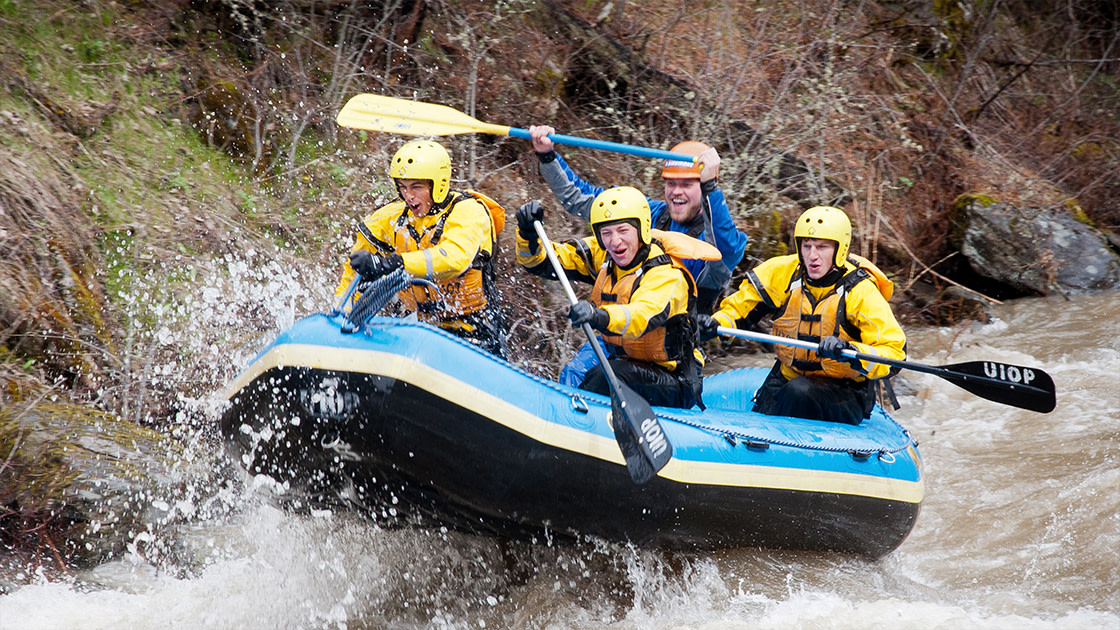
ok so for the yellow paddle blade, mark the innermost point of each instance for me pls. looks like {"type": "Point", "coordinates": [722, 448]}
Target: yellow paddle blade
{"type": "Point", "coordinates": [374, 112]}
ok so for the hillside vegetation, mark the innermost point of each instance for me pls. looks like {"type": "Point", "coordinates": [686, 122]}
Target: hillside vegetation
{"type": "Point", "coordinates": [173, 185]}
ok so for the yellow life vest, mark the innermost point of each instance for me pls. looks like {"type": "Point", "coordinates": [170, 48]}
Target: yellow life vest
{"type": "Point", "coordinates": [667, 344]}
{"type": "Point", "coordinates": [805, 318]}
{"type": "Point", "coordinates": [465, 293]}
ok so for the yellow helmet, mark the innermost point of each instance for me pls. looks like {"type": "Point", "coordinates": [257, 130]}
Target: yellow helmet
{"type": "Point", "coordinates": [424, 159]}
{"type": "Point", "coordinates": [679, 169]}
{"type": "Point", "coordinates": [827, 223]}
{"type": "Point", "coordinates": [622, 203]}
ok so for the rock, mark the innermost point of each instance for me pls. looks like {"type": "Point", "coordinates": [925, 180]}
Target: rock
{"type": "Point", "coordinates": [80, 486]}
{"type": "Point", "coordinates": [1033, 251]}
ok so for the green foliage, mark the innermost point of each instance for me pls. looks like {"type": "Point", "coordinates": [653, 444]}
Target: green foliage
{"type": "Point", "coordinates": [248, 202]}
{"type": "Point", "coordinates": [177, 182]}
{"type": "Point", "coordinates": [1078, 213]}
{"type": "Point", "coordinates": [337, 173]}
{"type": "Point", "coordinates": [977, 197]}
{"type": "Point", "coordinates": [957, 24]}
{"type": "Point", "coordinates": [94, 51]}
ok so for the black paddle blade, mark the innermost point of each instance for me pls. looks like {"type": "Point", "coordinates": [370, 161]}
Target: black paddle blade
{"type": "Point", "coordinates": [1022, 387]}
{"type": "Point", "coordinates": [644, 445]}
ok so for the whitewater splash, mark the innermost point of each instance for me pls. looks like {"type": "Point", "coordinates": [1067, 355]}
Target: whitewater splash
{"type": "Point", "coordinates": [266, 569]}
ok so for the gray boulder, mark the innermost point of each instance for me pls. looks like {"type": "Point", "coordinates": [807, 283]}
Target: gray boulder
{"type": "Point", "coordinates": [1033, 251]}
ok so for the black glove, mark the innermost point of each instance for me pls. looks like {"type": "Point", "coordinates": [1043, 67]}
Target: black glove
{"type": "Point", "coordinates": [372, 267]}
{"type": "Point", "coordinates": [706, 326]}
{"type": "Point", "coordinates": [526, 215]}
{"type": "Point", "coordinates": [830, 348]}
{"type": "Point", "coordinates": [584, 312]}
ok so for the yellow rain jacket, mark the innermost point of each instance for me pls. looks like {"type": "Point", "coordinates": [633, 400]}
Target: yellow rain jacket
{"type": "Point", "coordinates": [650, 305]}
{"type": "Point", "coordinates": [451, 246]}
{"type": "Point", "coordinates": [856, 309]}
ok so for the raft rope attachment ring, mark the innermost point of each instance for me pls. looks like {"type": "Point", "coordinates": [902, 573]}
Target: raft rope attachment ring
{"type": "Point", "coordinates": [579, 404]}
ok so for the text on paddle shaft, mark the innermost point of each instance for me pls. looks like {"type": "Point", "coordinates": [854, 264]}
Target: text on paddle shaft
{"type": "Point", "coordinates": [654, 438]}
{"type": "Point", "coordinates": [1009, 373]}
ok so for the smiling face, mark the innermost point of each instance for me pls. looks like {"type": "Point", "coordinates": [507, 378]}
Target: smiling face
{"type": "Point", "coordinates": [417, 195]}
{"type": "Point", "coordinates": [683, 197]}
{"type": "Point", "coordinates": [621, 241]}
{"type": "Point", "coordinates": [817, 254]}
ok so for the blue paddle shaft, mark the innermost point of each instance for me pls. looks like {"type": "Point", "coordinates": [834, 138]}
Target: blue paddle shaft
{"type": "Point", "coordinates": [786, 341]}
{"type": "Point", "coordinates": [346, 296]}
{"type": "Point", "coordinates": [605, 145]}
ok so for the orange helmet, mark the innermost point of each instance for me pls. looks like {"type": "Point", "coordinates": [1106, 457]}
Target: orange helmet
{"type": "Point", "coordinates": [679, 169]}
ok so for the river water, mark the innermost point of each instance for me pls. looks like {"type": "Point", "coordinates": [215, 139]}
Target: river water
{"type": "Point", "coordinates": [1020, 529]}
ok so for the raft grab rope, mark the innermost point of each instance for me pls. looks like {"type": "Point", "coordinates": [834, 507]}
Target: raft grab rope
{"type": "Point", "coordinates": [732, 436]}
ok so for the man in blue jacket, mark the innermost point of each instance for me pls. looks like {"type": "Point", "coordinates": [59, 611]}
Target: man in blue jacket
{"type": "Point", "coordinates": [693, 205]}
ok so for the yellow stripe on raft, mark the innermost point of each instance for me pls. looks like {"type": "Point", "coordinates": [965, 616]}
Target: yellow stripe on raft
{"type": "Point", "coordinates": [746, 475]}
{"type": "Point", "coordinates": [446, 387]}
{"type": "Point", "coordinates": [569, 438]}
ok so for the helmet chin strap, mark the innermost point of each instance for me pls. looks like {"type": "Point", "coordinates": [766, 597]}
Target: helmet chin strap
{"type": "Point", "coordinates": [639, 257]}
{"type": "Point", "coordinates": [832, 277]}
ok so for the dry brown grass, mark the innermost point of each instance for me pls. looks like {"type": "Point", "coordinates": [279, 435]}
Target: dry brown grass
{"type": "Point", "coordinates": [51, 304]}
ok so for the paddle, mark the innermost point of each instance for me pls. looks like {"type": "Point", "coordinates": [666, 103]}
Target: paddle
{"type": "Point", "coordinates": [374, 112]}
{"type": "Point", "coordinates": [644, 445]}
{"type": "Point", "coordinates": [1023, 387]}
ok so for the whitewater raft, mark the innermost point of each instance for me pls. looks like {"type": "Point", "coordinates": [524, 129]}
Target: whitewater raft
{"type": "Point", "coordinates": [415, 426]}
